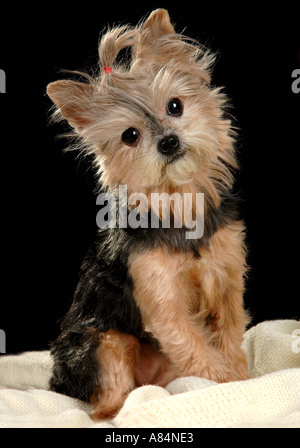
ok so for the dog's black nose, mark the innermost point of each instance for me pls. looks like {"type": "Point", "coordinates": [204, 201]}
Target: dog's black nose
{"type": "Point", "coordinates": [169, 145]}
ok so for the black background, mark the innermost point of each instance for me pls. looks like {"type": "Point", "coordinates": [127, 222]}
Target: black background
{"type": "Point", "coordinates": [47, 197]}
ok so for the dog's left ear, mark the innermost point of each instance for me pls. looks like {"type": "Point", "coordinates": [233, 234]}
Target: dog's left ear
{"type": "Point", "coordinates": [73, 100]}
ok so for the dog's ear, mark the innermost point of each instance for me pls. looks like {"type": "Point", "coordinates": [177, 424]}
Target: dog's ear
{"type": "Point", "coordinates": [73, 100]}
{"type": "Point", "coordinates": [157, 24]}
{"type": "Point", "coordinates": [155, 27]}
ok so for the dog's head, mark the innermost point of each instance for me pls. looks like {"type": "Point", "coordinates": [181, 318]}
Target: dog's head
{"type": "Point", "coordinates": [153, 121]}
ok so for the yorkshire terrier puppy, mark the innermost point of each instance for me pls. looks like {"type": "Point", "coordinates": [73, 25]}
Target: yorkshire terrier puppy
{"type": "Point", "coordinates": [152, 303]}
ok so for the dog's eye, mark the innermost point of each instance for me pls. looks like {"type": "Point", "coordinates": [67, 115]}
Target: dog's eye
{"type": "Point", "coordinates": [131, 136]}
{"type": "Point", "coordinates": [175, 107]}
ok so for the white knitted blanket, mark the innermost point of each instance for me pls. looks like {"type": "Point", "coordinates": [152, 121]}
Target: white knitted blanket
{"type": "Point", "coordinates": [271, 399]}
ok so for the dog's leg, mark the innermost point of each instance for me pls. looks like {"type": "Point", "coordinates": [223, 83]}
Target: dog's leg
{"type": "Point", "coordinates": [221, 276]}
{"type": "Point", "coordinates": [117, 356]}
{"type": "Point", "coordinates": [162, 291]}
{"type": "Point", "coordinates": [125, 362]}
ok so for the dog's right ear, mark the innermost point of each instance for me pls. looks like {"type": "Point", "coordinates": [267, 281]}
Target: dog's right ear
{"type": "Point", "coordinates": [157, 24]}
{"type": "Point", "coordinates": [73, 100]}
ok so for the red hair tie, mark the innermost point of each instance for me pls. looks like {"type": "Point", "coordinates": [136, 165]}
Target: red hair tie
{"type": "Point", "coordinates": [107, 69]}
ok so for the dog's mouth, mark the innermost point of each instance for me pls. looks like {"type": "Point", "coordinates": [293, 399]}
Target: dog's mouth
{"type": "Point", "coordinates": [175, 158]}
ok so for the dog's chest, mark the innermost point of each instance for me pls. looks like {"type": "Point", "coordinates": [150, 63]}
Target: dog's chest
{"type": "Point", "coordinates": [166, 281]}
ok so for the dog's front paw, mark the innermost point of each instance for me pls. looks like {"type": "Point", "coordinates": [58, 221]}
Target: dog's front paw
{"type": "Point", "coordinates": [225, 373]}
{"type": "Point", "coordinates": [217, 374]}
{"type": "Point", "coordinates": [213, 366]}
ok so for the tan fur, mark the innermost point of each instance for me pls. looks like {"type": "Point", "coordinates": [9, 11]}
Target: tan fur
{"type": "Point", "coordinates": [177, 294]}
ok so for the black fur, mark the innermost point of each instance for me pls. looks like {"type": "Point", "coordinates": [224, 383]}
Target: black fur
{"type": "Point", "coordinates": [104, 296]}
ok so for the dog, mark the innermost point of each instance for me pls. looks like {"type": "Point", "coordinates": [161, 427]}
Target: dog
{"type": "Point", "coordinates": [152, 304]}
